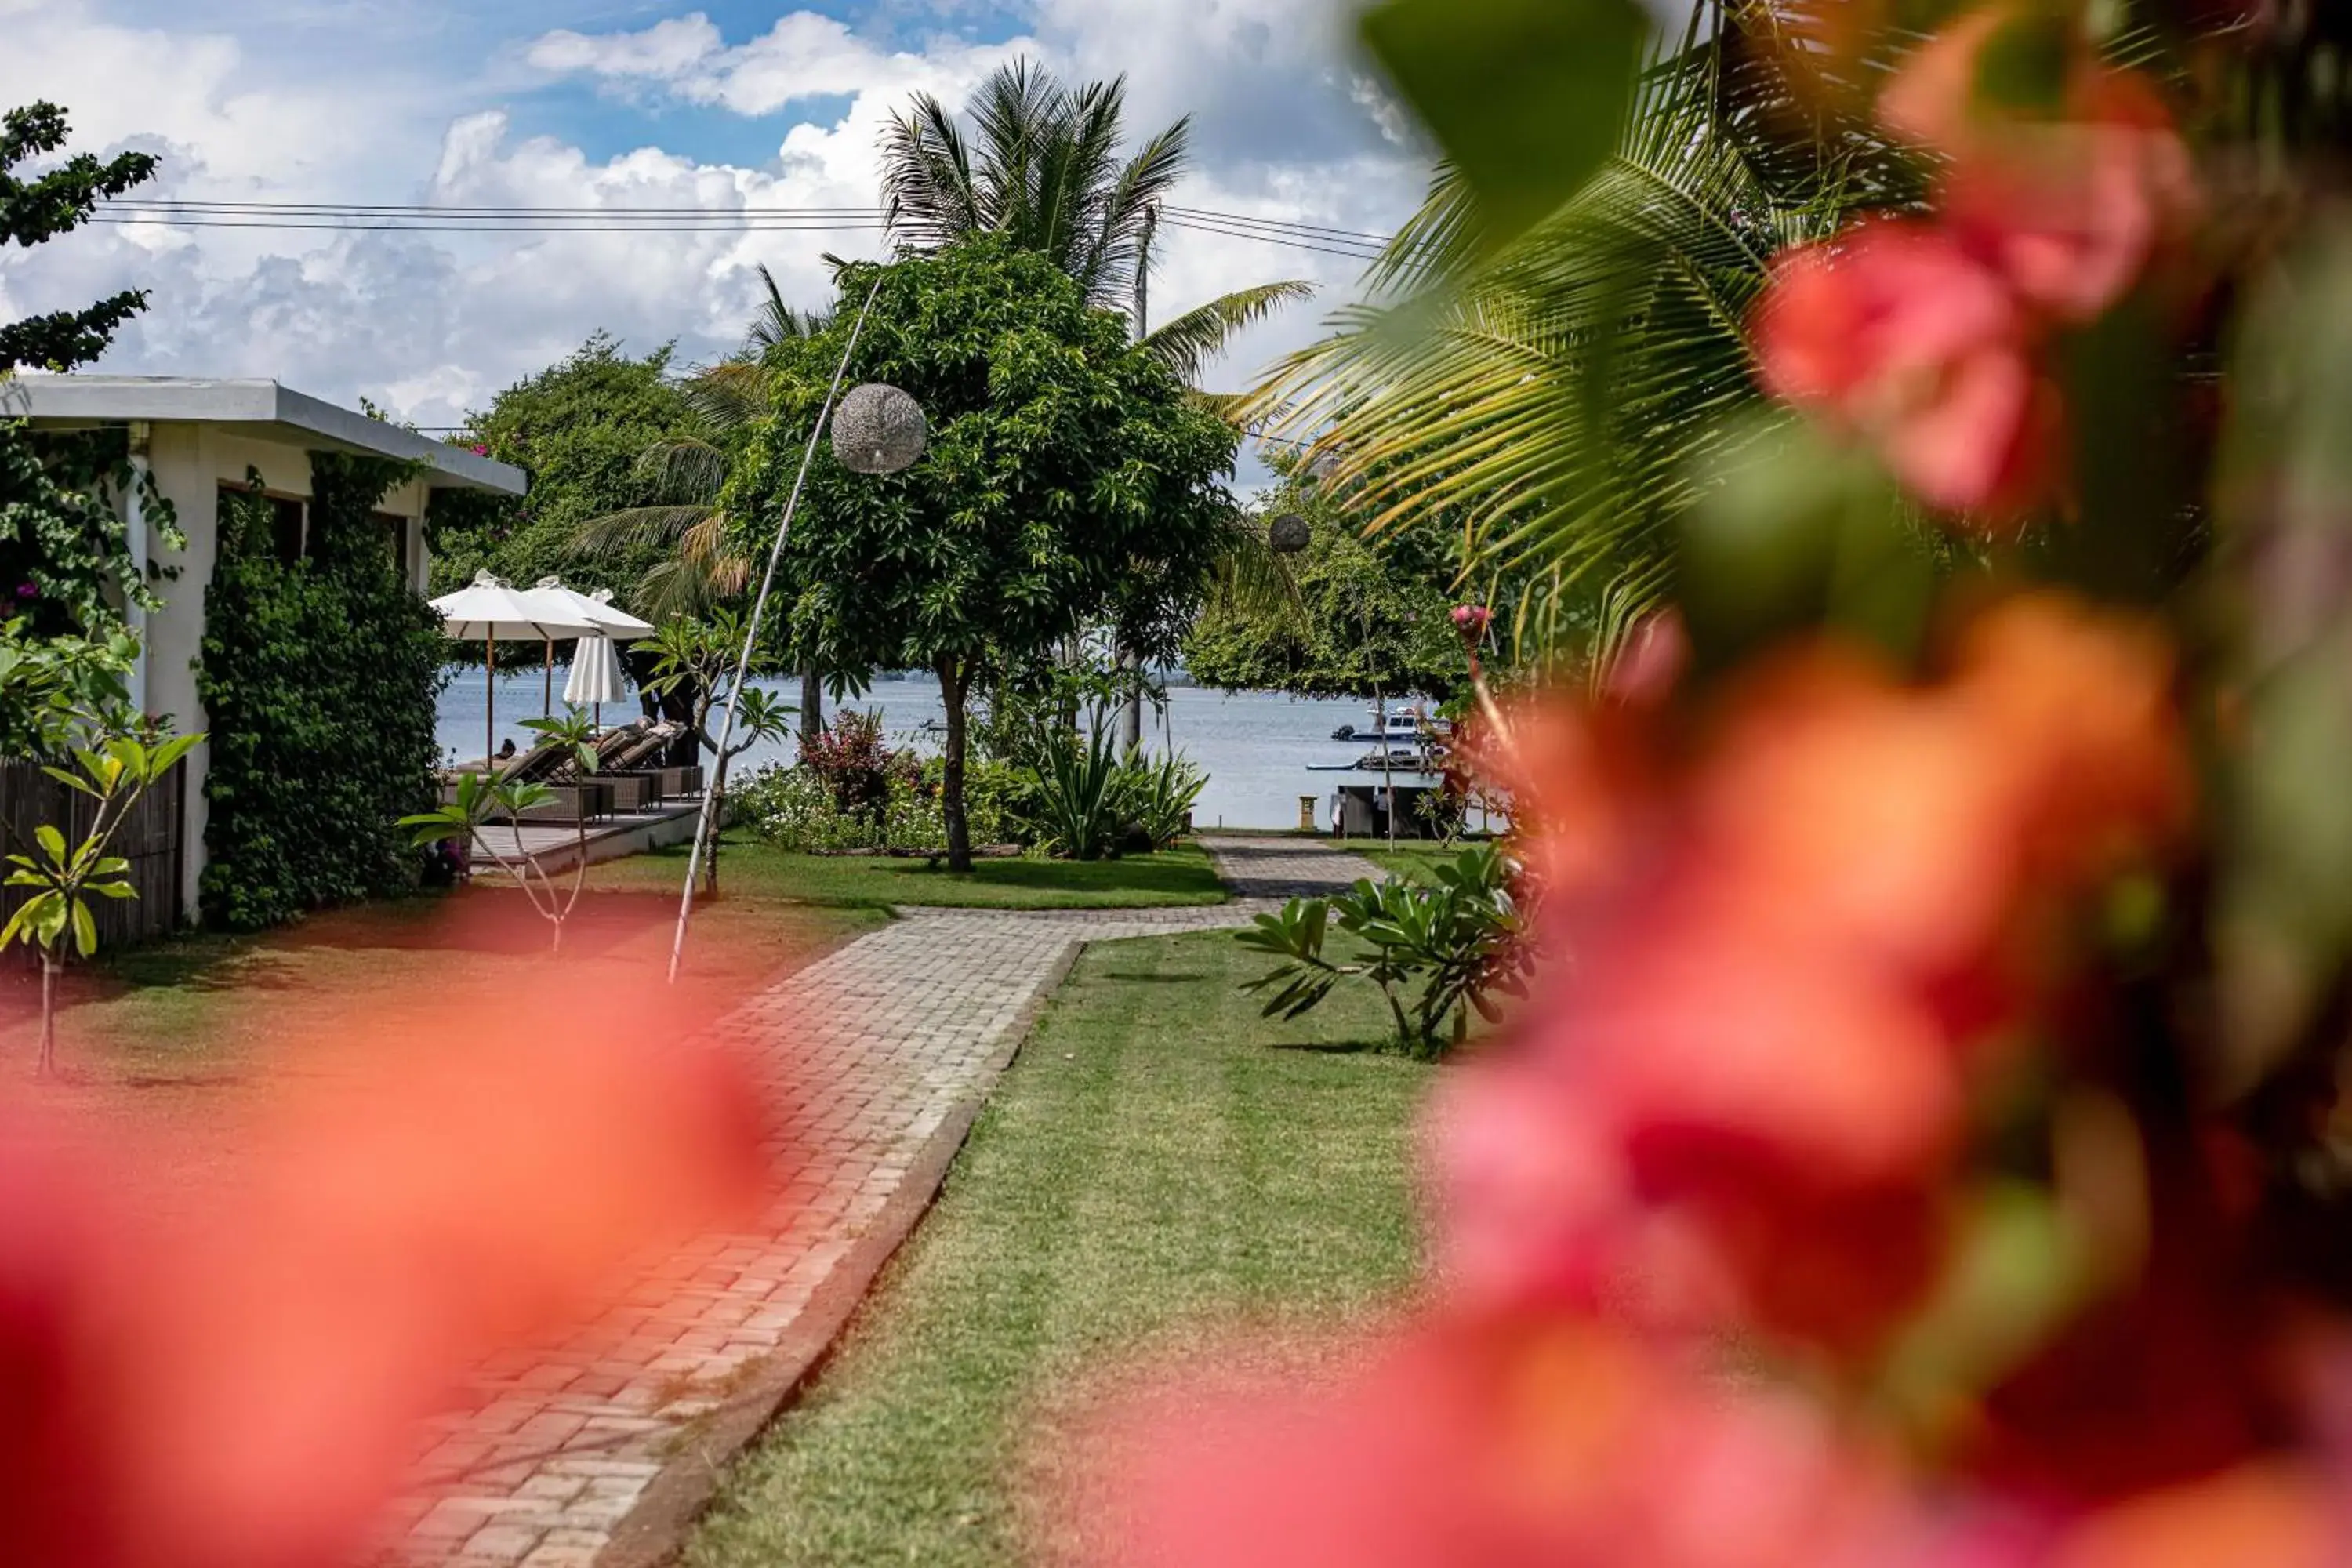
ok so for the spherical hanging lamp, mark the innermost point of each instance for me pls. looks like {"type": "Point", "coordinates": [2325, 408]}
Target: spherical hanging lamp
{"type": "Point", "coordinates": [879, 429]}
{"type": "Point", "coordinates": [1290, 534]}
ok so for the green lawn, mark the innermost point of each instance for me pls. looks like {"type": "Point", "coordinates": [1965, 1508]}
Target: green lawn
{"type": "Point", "coordinates": [1411, 861]}
{"type": "Point", "coordinates": [1152, 1167]}
{"type": "Point", "coordinates": [1173, 878]}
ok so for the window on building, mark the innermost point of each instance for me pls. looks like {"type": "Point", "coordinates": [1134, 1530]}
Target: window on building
{"type": "Point", "coordinates": [396, 533]}
{"type": "Point", "coordinates": [289, 528]}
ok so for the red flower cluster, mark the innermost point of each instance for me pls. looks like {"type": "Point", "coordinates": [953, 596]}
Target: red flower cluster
{"type": "Point", "coordinates": [1814, 931]}
{"type": "Point", "coordinates": [1928, 339]}
{"type": "Point", "coordinates": [1797, 951]}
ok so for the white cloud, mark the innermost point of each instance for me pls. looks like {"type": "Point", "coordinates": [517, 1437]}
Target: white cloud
{"type": "Point", "coordinates": [666, 50]}
{"type": "Point", "coordinates": [430, 324]}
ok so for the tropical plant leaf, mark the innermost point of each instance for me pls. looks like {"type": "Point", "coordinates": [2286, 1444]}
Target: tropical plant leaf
{"type": "Point", "coordinates": [1186, 344]}
{"type": "Point", "coordinates": [1525, 96]}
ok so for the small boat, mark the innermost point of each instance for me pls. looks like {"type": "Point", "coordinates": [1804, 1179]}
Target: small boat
{"type": "Point", "coordinates": [1401, 727]}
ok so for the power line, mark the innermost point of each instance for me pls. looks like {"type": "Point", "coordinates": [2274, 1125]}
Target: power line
{"type": "Point", "coordinates": [363, 217]}
{"type": "Point", "coordinates": [1365, 254]}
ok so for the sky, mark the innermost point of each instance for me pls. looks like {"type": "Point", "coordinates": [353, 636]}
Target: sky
{"type": "Point", "coordinates": [594, 103]}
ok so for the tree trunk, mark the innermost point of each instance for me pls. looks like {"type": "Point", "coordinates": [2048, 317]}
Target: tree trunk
{"type": "Point", "coordinates": [718, 791]}
{"type": "Point", "coordinates": [49, 967]}
{"type": "Point", "coordinates": [952, 686]}
{"type": "Point", "coordinates": [812, 708]}
{"type": "Point", "coordinates": [1130, 712]}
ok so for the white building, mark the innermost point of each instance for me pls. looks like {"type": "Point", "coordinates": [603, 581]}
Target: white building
{"type": "Point", "coordinates": [198, 437]}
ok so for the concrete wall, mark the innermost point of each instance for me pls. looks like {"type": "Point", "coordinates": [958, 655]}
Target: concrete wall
{"type": "Point", "coordinates": [191, 462]}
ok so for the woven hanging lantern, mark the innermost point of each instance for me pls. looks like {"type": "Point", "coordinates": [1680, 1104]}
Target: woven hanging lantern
{"type": "Point", "coordinates": [1290, 534]}
{"type": "Point", "coordinates": [879, 429]}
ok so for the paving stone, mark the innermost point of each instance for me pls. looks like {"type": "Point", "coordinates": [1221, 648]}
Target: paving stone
{"type": "Point", "coordinates": [870, 1051]}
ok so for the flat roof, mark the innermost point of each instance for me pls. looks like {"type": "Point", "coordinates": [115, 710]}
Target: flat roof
{"type": "Point", "coordinates": [263, 406]}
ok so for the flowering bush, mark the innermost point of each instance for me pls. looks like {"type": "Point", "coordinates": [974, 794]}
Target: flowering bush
{"type": "Point", "coordinates": [857, 761]}
{"type": "Point", "coordinates": [1926, 1140]}
{"type": "Point", "coordinates": [794, 809]}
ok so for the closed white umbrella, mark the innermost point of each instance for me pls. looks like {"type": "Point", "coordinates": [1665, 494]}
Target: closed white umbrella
{"type": "Point", "coordinates": [490, 612]}
{"type": "Point", "coordinates": [619, 626]}
{"type": "Point", "coordinates": [596, 676]}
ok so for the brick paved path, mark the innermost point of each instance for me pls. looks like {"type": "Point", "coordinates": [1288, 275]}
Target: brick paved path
{"type": "Point", "coordinates": [1284, 868]}
{"type": "Point", "coordinates": [874, 1055]}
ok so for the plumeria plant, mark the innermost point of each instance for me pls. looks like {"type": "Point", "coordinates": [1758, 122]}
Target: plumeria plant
{"type": "Point", "coordinates": [1927, 1140]}
{"type": "Point", "coordinates": [481, 800]}
{"type": "Point", "coordinates": [699, 660]}
{"type": "Point", "coordinates": [113, 772]}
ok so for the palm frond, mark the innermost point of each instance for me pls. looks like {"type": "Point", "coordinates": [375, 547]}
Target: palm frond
{"type": "Point", "coordinates": [635, 529]}
{"type": "Point", "coordinates": [728, 398]}
{"type": "Point", "coordinates": [1554, 400]}
{"type": "Point", "coordinates": [778, 323]}
{"type": "Point", "coordinates": [683, 471]}
{"type": "Point", "coordinates": [1187, 344]}
{"type": "Point", "coordinates": [1250, 580]}
{"type": "Point", "coordinates": [930, 195]}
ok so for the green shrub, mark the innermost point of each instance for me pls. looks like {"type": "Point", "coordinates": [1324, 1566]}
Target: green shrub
{"type": "Point", "coordinates": [1438, 954]}
{"type": "Point", "coordinates": [321, 679]}
{"type": "Point", "coordinates": [795, 809]}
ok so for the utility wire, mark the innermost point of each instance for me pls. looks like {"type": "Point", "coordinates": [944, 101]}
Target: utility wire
{"type": "Point", "coordinates": [1349, 244]}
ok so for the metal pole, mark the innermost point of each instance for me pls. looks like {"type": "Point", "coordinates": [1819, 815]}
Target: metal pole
{"type": "Point", "coordinates": [702, 829]}
{"type": "Point", "coordinates": [490, 709]}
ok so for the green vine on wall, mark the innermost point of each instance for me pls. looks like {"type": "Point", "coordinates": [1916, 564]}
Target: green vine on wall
{"type": "Point", "coordinates": [66, 566]}
{"type": "Point", "coordinates": [321, 679]}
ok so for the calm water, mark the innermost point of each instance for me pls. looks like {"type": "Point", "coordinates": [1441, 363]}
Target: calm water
{"type": "Point", "coordinates": [1256, 747]}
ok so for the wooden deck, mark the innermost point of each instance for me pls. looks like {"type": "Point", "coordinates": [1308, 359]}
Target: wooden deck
{"type": "Point", "coordinates": [556, 844]}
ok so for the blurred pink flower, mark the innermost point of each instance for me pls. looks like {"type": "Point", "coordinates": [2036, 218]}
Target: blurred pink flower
{"type": "Point", "coordinates": [1506, 1445]}
{"type": "Point", "coordinates": [1896, 333]}
{"type": "Point", "coordinates": [1471, 621]}
{"type": "Point", "coordinates": [1793, 952]}
{"type": "Point", "coordinates": [244, 1393]}
{"type": "Point", "coordinates": [2070, 208]}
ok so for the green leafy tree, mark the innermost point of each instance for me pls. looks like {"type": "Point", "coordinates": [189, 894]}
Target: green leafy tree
{"type": "Point", "coordinates": [1046, 168]}
{"type": "Point", "coordinates": [684, 524]}
{"type": "Point", "coordinates": [579, 428]}
{"type": "Point", "coordinates": [1369, 617]}
{"type": "Point", "coordinates": [113, 772]}
{"type": "Point", "coordinates": [58, 201]}
{"type": "Point", "coordinates": [64, 561]}
{"type": "Point", "coordinates": [1062, 460]}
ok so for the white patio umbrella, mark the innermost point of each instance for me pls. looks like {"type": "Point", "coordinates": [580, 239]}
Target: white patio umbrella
{"type": "Point", "coordinates": [596, 676]}
{"type": "Point", "coordinates": [597, 609]}
{"type": "Point", "coordinates": [491, 611]}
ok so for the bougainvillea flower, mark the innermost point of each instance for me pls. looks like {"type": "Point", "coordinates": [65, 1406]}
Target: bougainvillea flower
{"type": "Point", "coordinates": [1472, 620]}
{"type": "Point", "coordinates": [1792, 953]}
{"type": "Point", "coordinates": [1896, 333]}
{"type": "Point", "coordinates": [243, 1392]}
{"type": "Point", "coordinates": [1545, 1443]}
{"type": "Point", "coordinates": [2068, 205]}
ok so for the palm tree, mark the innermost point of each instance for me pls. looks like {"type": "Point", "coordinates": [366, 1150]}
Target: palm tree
{"type": "Point", "coordinates": [1044, 164]}
{"type": "Point", "coordinates": [1562, 398]}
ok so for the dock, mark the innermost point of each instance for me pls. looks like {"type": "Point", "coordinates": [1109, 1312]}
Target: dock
{"type": "Point", "coordinates": [556, 844]}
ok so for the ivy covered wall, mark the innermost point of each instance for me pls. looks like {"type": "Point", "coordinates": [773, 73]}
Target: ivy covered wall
{"type": "Point", "coordinates": [319, 677]}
